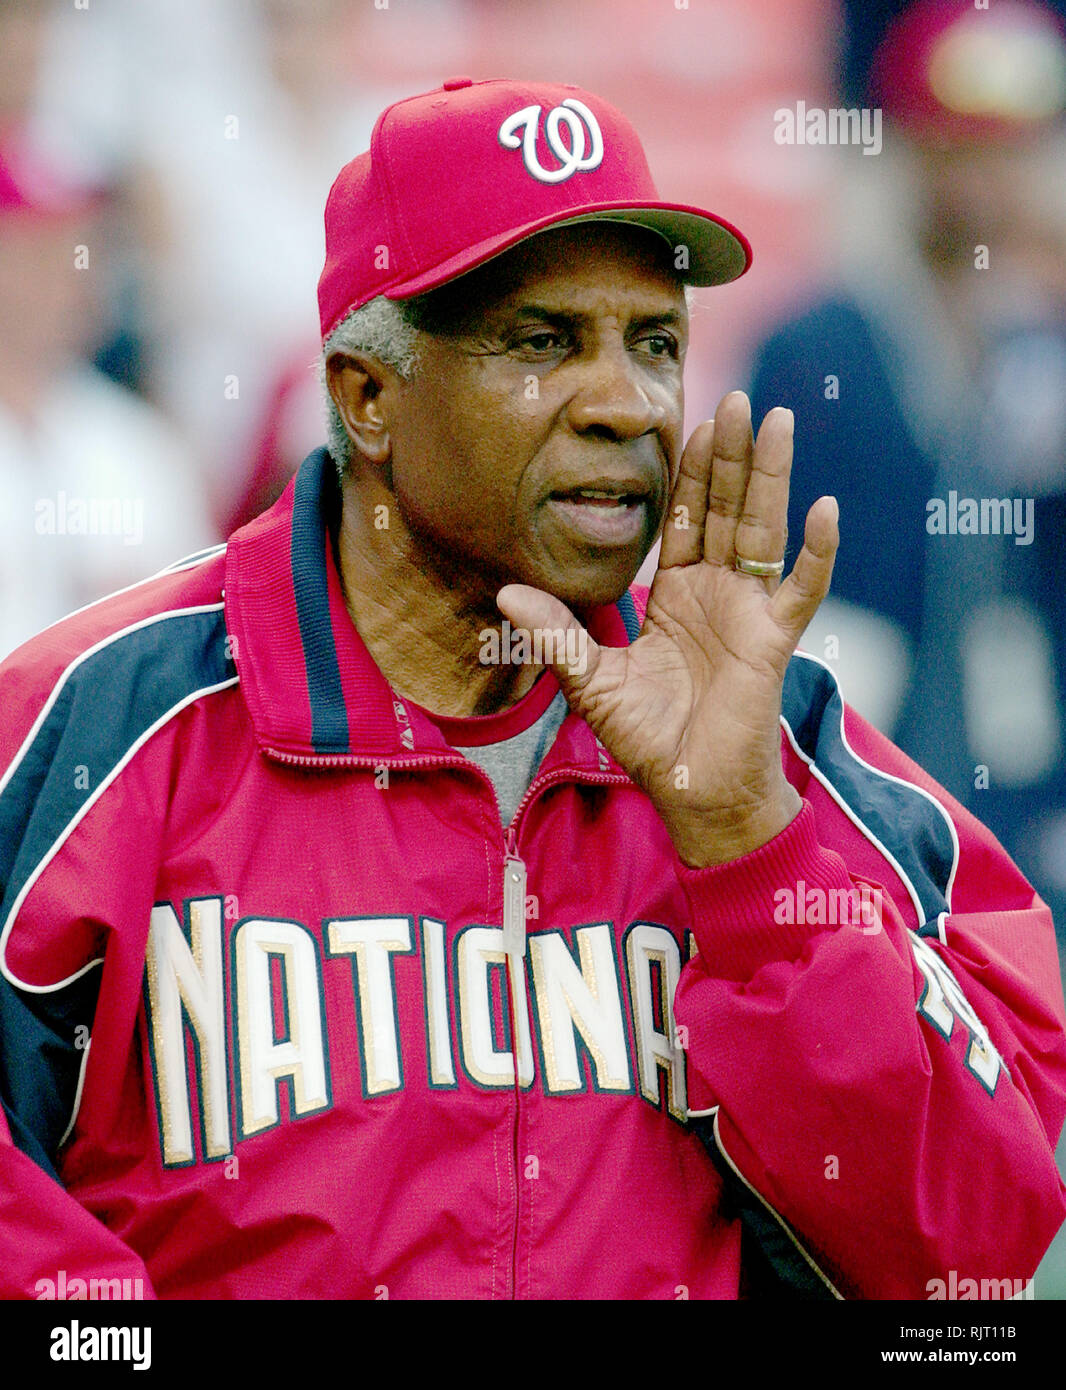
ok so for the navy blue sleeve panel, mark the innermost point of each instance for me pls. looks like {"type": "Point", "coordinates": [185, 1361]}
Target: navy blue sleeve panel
{"type": "Point", "coordinates": [43, 1041]}
{"type": "Point", "coordinates": [773, 1262]}
{"type": "Point", "coordinates": [912, 827]}
{"type": "Point", "coordinates": [852, 441]}
{"type": "Point", "coordinates": [103, 708]}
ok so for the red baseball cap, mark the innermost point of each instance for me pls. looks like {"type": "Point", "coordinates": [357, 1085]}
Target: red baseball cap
{"type": "Point", "coordinates": [456, 176]}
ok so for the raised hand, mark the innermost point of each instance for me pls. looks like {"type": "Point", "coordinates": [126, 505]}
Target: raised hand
{"type": "Point", "coordinates": [691, 708]}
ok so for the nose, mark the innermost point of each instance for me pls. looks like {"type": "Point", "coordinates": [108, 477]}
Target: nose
{"type": "Point", "coordinates": [613, 400]}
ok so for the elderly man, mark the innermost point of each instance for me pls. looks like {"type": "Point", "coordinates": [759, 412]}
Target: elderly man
{"type": "Point", "coordinates": [359, 942]}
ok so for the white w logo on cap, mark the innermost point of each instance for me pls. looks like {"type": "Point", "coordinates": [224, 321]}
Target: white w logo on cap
{"type": "Point", "coordinates": [576, 116]}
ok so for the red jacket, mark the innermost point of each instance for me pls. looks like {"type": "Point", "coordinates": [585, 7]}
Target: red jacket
{"type": "Point", "coordinates": [270, 894]}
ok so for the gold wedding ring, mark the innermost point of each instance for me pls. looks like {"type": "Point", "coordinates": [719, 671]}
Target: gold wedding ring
{"type": "Point", "coordinates": [761, 569]}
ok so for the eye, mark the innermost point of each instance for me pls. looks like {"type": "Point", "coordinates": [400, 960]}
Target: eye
{"type": "Point", "coordinates": [659, 344]}
{"type": "Point", "coordinates": [541, 340]}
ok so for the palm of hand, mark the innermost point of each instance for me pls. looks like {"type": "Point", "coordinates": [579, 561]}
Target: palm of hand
{"type": "Point", "coordinates": [691, 708]}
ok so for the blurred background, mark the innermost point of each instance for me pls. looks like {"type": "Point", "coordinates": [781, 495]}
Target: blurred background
{"type": "Point", "coordinates": [163, 171]}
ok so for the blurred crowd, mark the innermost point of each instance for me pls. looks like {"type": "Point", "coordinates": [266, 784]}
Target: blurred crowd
{"type": "Point", "coordinates": [162, 175]}
{"type": "Point", "coordinates": [163, 171]}
{"type": "Point", "coordinates": [928, 376]}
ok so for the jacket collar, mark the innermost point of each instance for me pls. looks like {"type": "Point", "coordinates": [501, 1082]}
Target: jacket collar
{"type": "Point", "coordinates": [311, 686]}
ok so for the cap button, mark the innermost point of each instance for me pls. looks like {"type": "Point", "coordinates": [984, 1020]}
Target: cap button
{"type": "Point", "coordinates": [454, 83]}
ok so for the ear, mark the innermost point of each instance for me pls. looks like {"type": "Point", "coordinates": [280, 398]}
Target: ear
{"type": "Point", "coordinates": [362, 388]}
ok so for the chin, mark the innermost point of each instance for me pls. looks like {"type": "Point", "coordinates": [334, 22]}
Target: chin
{"type": "Point", "coordinates": [594, 585]}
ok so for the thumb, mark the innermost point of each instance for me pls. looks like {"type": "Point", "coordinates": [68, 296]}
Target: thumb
{"type": "Point", "coordinates": [554, 636]}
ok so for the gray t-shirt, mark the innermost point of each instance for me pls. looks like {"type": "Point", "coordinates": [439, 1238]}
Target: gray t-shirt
{"type": "Point", "coordinates": [512, 763]}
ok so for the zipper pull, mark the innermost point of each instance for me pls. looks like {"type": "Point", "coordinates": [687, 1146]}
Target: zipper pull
{"type": "Point", "coordinates": [514, 902]}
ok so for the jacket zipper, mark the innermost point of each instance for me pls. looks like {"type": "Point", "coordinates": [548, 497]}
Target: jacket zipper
{"type": "Point", "coordinates": [514, 947]}
{"type": "Point", "coordinates": [514, 899]}
{"type": "Point", "coordinates": [366, 760]}
{"type": "Point", "coordinates": [515, 883]}
{"type": "Point", "coordinates": [514, 869]}
{"type": "Point", "coordinates": [514, 944]}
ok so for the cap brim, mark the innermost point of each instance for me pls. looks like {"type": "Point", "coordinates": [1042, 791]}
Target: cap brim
{"type": "Point", "coordinates": [716, 251]}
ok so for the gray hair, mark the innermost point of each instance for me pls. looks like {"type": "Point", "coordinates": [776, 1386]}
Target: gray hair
{"type": "Point", "coordinates": [384, 329]}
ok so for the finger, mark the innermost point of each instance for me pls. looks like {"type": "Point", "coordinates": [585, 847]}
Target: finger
{"type": "Point", "coordinates": [687, 512]}
{"type": "Point", "coordinates": [796, 601]}
{"type": "Point", "coordinates": [555, 636]}
{"type": "Point", "coordinates": [730, 469]}
{"type": "Point", "coordinates": [760, 533]}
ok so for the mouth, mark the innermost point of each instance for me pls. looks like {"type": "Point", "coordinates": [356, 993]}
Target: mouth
{"type": "Point", "coordinates": [602, 511]}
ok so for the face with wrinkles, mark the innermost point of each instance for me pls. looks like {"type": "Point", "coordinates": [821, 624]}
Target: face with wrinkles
{"type": "Point", "coordinates": [539, 436]}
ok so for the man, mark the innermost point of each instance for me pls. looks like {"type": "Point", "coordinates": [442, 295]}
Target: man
{"type": "Point", "coordinates": [401, 980]}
